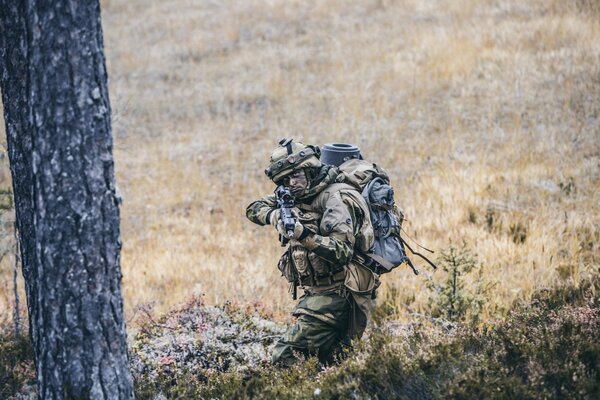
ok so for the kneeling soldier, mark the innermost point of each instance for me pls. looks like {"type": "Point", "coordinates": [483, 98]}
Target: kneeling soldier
{"type": "Point", "coordinates": [332, 224]}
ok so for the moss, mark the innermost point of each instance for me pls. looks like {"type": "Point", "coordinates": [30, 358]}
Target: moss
{"type": "Point", "coordinates": [16, 364]}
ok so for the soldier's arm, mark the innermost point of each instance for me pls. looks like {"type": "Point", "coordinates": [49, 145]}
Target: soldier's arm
{"type": "Point", "coordinates": [339, 226]}
{"type": "Point", "coordinates": [259, 210]}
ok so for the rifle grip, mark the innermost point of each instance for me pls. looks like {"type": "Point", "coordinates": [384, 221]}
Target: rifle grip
{"type": "Point", "coordinates": [283, 240]}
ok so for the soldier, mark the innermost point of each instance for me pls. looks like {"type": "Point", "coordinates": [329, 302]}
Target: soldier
{"type": "Point", "coordinates": [332, 224]}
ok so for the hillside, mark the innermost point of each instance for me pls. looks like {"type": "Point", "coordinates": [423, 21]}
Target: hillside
{"type": "Point", "coordinates": [485, 113]}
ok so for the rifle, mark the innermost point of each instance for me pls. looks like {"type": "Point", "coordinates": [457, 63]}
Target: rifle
{"type": "Point", "coordinates": [285, 203]}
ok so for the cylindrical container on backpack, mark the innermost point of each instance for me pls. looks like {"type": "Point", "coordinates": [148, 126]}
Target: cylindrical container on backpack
{"type": "Point", "coordinates": [338, 153]}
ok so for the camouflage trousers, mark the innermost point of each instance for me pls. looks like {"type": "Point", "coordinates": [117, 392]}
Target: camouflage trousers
{"type": "Point", "coordinates": [321, 328]}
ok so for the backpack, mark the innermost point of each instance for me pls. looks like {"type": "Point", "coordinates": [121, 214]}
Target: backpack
{"type": "Point", "coordinates": [388, 251]}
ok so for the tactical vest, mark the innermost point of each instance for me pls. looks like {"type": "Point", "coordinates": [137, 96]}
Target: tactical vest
{"type": "Point", "coordinates": [303, 267]}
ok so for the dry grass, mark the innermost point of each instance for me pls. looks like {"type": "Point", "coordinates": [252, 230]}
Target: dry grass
{"type": "Point", "coordinates": [485, 113]}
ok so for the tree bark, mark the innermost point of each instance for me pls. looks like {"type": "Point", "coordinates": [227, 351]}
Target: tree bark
{"type": "Point", "coordinates": [57, 113]}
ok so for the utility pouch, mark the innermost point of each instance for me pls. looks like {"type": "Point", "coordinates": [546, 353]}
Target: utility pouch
{"type": "Point", "coordinates": [320, 266]}
{"type": "Point", "coordinates": [360, 280]}
{"type": "Point", "coordinates": [299, 261]}
{"type": "Point", "coordinates": [361, 284]}
{"type": "Point", "coordinates": [286, 267]}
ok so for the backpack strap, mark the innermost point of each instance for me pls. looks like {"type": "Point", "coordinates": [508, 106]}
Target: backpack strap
{"type": "Point", "coordinates": [381, 261]}
{"type": "Point", "coordinates": [365, 194]}
{"type": "Point", "coordinates": [418, 254]}
{"type": "Point", "coordinates": [388, 215]}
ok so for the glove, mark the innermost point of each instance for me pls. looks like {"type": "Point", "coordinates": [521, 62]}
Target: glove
{"type": "Point", "coordinates": [300, 232]}
{"type": "Point", "coordinates": [275, 217]}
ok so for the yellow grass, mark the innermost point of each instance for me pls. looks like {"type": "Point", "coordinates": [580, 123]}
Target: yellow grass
{"type": "Point", "coordinates": [480, 110]}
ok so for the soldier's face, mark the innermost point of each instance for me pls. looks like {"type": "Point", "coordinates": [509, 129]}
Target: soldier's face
{"type": "Point", "coordinates": [297, 182]}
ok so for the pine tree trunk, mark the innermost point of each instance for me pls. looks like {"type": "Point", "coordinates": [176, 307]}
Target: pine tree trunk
{"type": "Point", "coordinates": [57, 113]}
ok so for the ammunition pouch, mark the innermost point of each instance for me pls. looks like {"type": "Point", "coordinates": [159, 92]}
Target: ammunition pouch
{"type": "Point", "coordinates": [299, 266]}
{"type": "Point", "coordinates": [286, 267]}
{"type": "Point", "coordinates": [326, 280]}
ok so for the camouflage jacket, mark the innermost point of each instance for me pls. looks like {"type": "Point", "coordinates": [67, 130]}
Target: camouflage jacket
{"type": "Point", "coordinates": [337, 217]}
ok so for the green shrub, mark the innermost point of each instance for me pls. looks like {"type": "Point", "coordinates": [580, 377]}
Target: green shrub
{"type": "Point", "coordinates": [547, 348]}
{"type": "Point", "coordinates": [450, 299]}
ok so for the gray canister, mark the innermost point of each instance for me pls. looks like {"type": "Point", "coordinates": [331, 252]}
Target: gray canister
{"type": "Point", "coordinates": [338, 153]}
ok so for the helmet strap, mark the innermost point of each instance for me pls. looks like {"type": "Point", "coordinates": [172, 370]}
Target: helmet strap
{"type": "Point", "coordinates": [311, 174]}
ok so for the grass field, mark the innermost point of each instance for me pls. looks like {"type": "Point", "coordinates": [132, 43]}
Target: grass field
{"type": "Point", "coordinates": [485, 113]}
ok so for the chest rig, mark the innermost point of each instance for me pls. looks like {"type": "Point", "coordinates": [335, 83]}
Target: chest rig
{"type": "Point", "coordinates": [302, 267]}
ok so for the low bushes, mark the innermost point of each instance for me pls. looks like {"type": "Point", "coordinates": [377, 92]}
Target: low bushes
{"type": "Point", "coordinates": [544, 348]}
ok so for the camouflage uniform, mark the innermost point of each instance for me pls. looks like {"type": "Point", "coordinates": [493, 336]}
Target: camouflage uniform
{"type": "Point", "coordinates": [334, 307]}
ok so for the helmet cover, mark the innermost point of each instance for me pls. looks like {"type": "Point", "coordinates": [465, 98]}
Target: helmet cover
{"type": "Point", "coordinates": [291, 156]}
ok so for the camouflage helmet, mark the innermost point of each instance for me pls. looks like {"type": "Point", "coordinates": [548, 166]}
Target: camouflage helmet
{"type": "Point", "coordinates": [291, 156]}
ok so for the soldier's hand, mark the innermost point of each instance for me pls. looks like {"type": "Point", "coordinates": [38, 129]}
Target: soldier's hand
{"type": "Point", "coordinates": [281, 229]}
{"type": "Point", "coordinates": [275, 217]}
{"type": "Point", "coordinates": [298, 233]}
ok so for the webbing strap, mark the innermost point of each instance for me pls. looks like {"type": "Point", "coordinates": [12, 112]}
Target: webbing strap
{"type": "Point", "coordinates": [382, 261]}
{"type": "Point", "coordinates": [323, 281]}
{"type": "Point", "coordinates": [419, 254]}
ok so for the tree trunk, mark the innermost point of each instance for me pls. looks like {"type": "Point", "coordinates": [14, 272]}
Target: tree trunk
{"type": "Point", "coordinates": [57, 113]}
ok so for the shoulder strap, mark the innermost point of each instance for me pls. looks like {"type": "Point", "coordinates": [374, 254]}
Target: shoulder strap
{"type": "Point", "coordinates": [387, 215]}
{"type": "Point", "coordinates": [367, 189]}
